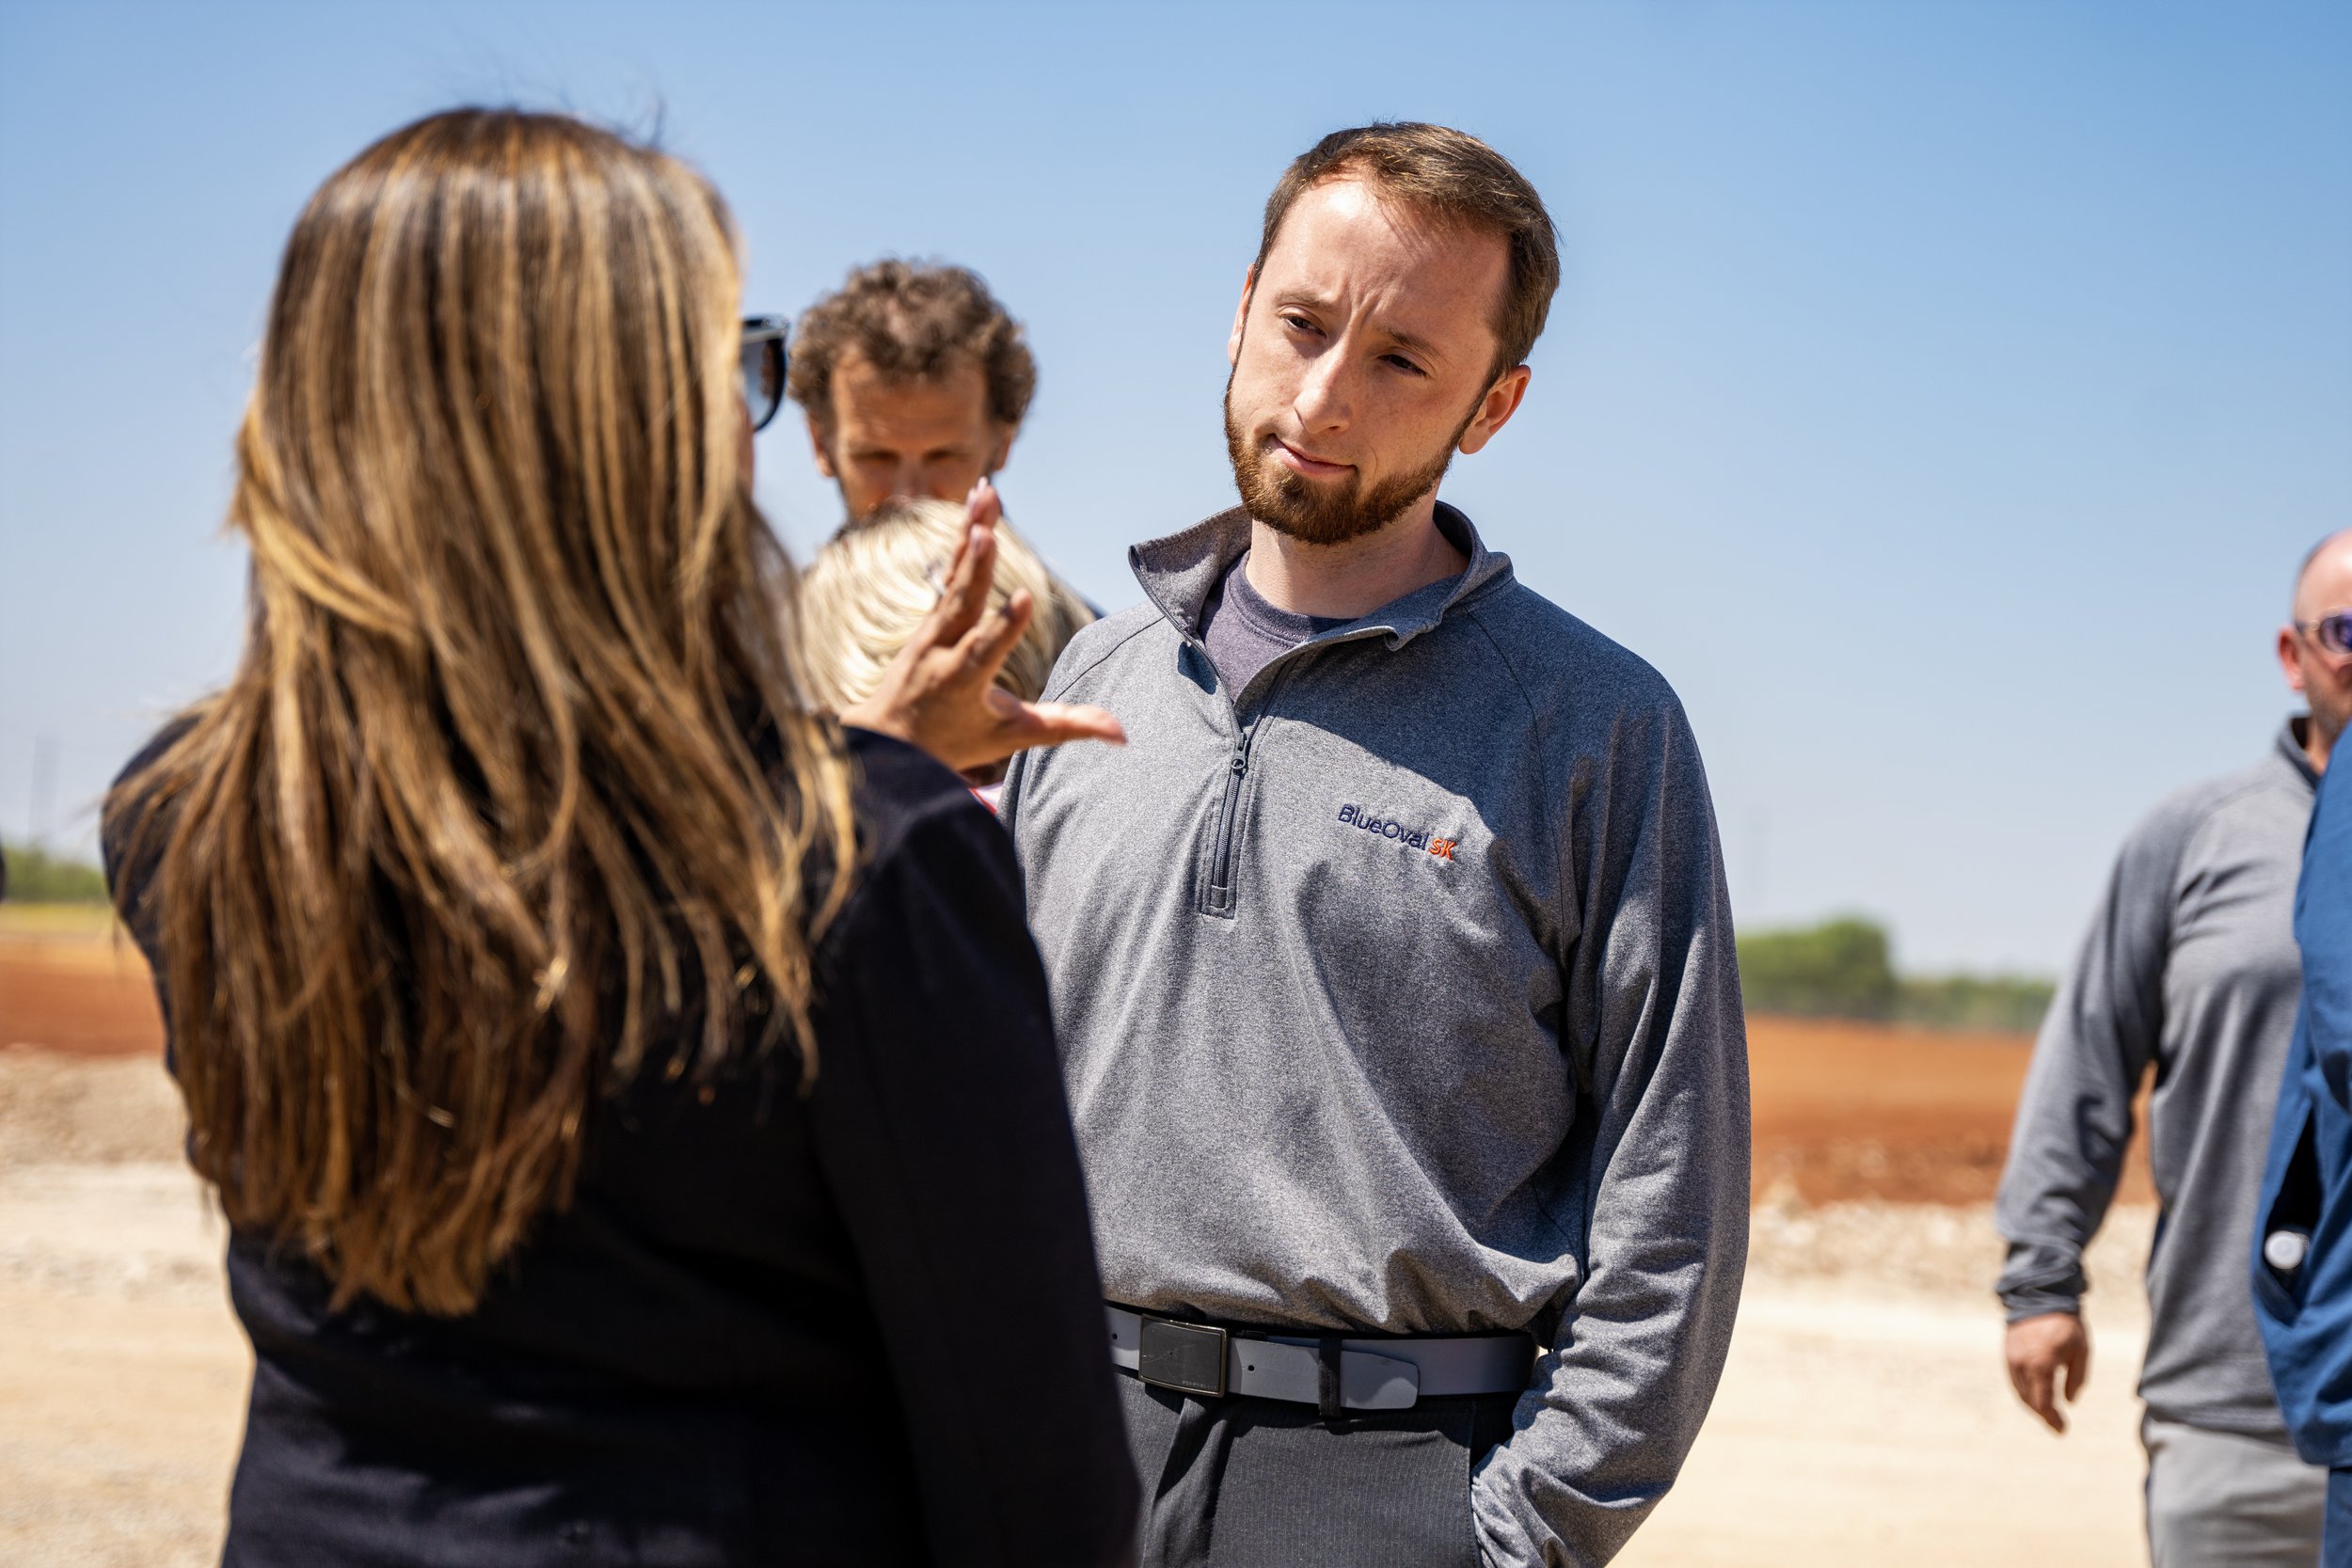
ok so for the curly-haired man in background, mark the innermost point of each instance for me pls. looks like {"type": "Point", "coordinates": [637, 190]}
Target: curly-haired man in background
{"type": "Point", "coordinates": [914, 382]}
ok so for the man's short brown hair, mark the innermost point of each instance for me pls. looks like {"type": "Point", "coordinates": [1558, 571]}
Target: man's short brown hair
{"type": "Point", "coordinates": [1457, 179]}
{"type": "Point", "coordinates": [911, 321]}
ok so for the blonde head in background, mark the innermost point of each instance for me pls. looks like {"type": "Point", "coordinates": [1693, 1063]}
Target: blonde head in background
{"type": "Point", "coordinates": [873, 582]}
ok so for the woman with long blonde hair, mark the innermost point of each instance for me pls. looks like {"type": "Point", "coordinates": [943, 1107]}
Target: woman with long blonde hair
{"type": "Point", "coordinates": [631, 1095]}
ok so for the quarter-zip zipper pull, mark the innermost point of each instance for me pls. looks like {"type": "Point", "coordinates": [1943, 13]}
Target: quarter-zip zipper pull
{"type": "Point", "coordinates": [1216, 893]}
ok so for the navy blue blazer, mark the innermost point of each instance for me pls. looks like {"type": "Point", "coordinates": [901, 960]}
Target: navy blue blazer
{"type": "Point", "coordinates": [2305, 1311]}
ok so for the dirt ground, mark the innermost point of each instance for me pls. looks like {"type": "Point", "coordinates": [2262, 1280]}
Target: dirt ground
{"type": "Point", "coordinates": [1847, 1111]}
{"type": "Point", "coordinates": [1843, 1111]}
{"type": "Point", "coordinates": [69, 983]}
{"type": "Point", "coordinates": [1863, 1419]}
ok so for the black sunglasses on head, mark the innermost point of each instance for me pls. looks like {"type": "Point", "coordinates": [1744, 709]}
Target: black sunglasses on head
{"type": "Point", "coordinates": [763, 367]}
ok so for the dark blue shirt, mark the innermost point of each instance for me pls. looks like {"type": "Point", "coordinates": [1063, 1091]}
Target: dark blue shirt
{"type": "Point", "coordinates": [2305, 1311]}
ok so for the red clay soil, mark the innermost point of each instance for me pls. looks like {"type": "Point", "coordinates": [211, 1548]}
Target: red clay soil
{"type": "Point", "coordinates": [1861, 1110]}
{"type": "Point", "coordinates": [1842, 1110]}
{"type": "Point", "coordinates": [79, 1000]}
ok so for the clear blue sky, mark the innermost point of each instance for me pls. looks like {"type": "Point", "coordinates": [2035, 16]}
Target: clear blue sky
{"type": "Point", "coordinates": [1940, 394]}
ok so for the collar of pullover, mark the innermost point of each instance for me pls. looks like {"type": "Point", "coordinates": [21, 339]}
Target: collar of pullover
{"type": "Point", "coordinates": [1178, 573]}
{"type": "Point", "coordinates": [2291, 751]}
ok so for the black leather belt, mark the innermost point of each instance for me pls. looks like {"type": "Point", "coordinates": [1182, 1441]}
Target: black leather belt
{"type": "Point", "coordinates": [1330, 1371]}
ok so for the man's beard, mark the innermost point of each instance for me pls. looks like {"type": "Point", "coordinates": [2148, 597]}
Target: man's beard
{"type": "Point", "coordinates": [1330, 513]}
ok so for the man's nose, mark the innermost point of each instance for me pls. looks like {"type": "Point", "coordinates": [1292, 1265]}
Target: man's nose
{"type": "Point", "coordinates": [1327, 393]}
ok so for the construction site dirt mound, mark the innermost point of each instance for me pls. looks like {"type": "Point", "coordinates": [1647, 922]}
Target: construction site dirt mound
{"type": "Point", "coordinates": [1847, 1111]}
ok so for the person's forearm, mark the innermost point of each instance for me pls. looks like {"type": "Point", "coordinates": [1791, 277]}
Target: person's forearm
{"type": "Point", "coordinates": [2074, 1114]}
{"type": "Point", "coordinates": [2046, 1232]}
{"type": "Point", "coordinates": [1622, 1400]}
{"type": "Point", "coordinates": [2066, 1156]}
{"type": "Point", "coordinates": [1636, 1362]}
{"type": "Point", "coordinates": [2019, 1305]}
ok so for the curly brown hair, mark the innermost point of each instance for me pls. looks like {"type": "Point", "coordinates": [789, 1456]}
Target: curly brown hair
{"type": "Point", "coordinates": [912, 319]}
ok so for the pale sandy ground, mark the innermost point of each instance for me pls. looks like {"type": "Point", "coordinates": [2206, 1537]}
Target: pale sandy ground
{"type": "Point", "coordinates": [1865, 1422]}
{"type": "Point", "coordinates": [1863, 1419]}
{"type": "Point", "coordinates": [122, 1375]}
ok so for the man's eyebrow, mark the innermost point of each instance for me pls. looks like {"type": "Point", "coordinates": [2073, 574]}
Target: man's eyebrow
{"type": "Point", "coordinates": [1298, 293]}
{"type": "Point", "coordinates": [1407, 341]}
{"type": "Point", "coordinates": [1402, 338]}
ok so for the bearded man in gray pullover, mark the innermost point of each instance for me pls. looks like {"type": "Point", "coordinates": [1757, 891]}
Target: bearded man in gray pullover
{"type": "Point", "coordinates": [2190, 969]}
{"type": "Point", "coordinates": [1390, 957]}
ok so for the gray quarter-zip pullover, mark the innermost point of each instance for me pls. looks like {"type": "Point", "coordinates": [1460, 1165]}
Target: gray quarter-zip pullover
{"type": "Point", "coordinates": [1396, 993]}
{"type": "Point", "coordinates": [2190, 965]}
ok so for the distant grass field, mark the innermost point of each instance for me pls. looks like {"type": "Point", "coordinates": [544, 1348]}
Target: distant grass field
{"type": "Point", "coordinates": [37, 875]}
{"type": "Point", "coordinates": [54, 922]}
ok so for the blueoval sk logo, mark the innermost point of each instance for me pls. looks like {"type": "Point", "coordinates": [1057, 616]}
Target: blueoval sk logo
{"type": "Point", "coordinates": [1390, 827]}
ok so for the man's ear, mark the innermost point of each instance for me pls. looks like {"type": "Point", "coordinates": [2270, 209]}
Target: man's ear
{"type": "Point", "coordinates": [822, 449]}
{"type": "Point", "coordinates": [1241, 314]}
{"type": "Point", "coordinates": [1495, 409]}
{"type": "Point", "coordinates": [2288, 661]}
{"type": "Point", "coordinates": [1000, 452]}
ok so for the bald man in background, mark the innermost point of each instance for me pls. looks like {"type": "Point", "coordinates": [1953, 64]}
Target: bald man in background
{"type": "Point", "coordinates": [2190, 967]}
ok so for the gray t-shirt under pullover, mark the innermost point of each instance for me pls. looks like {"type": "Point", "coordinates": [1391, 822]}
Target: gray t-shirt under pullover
{"type": "Point", "coordinates": [2190, 965]}
{"type": "Point", "coordinates": [1244, 632]}
{"type": "Point", "coordinates": [1396, 993]}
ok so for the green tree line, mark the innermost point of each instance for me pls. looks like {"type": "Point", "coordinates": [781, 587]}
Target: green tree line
{"type": "Point", "coordinates": [1845, 969]}
{"type": "Point", "coordinates": [38, 876]}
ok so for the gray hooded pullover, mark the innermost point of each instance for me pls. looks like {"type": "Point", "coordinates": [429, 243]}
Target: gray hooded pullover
{"type": "Point", "coordinates": [1396, 994]}
{"type": "Point", "coordinates": [2190, 966]}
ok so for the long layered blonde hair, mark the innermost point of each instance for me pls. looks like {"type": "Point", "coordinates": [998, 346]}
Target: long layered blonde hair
{"type": "Point", "coordinates": [514, 778]}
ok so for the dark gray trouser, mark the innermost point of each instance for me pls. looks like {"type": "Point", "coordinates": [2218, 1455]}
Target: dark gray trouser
{"type": "Point", "coordinates": [2222, 1500]}
{"type": "Point", "coordinates": [1263, 1483]}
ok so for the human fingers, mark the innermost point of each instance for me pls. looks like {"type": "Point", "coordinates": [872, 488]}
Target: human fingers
{"type": "Point", "coordinates": [2075, 1360]}
{"type": "Point", "coordinates": [1030, 724]}
{"type": "Point", "coordinates": [2040, 1394]}
{"type": "Point", "coordinates": [982, 506]}
{"type": "Point", "coordinates": [2017, 1379]}
{"type": "Point", "coordinates": [2029, 1375]}
{"type": "Point", "coordinates": [965, 598]}
{"type": "Point", "coordinates": [987, 645]}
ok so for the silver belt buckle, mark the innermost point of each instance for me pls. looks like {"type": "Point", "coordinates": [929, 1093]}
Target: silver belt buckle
{"type": "Point", "coordinates": [1187, 1357]}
